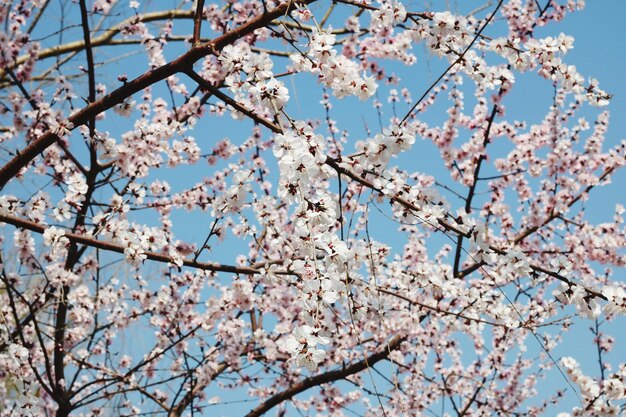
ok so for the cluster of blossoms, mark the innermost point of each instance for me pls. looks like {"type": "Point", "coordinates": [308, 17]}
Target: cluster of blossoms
{"type": "Point", "coordinates": [449, 36]}
{"type": "Point", "coordinates": [302, 344]}
{"type": "Point", "coordinates": [547, 55]}
{"type": "Point", "coordinates": [600, 397]}
{"type": "Point", "coordinates": [251, 80]}
{"type": "Point", "coordinates": [54, 237]}
{"type": "Point", "coordinates": [137, 239]}
{"type": "Point", "coordinates": [16, 40]}
{"type": "Point", "coordinates": [375, 153]}
{"type": "Point", "coordinates": [17, 382]}
{"type": "Point", "coordinates": [76, 189]}
{"type": "Point", "coordinates": [150, 145]}
{"type": "Point", "coordinates": [589, 305]}
{"type": "Point", "coordinates": [334, 70]}
{"type": "Point", "coordinates": [301, 157]}
{"type": "Point", "coordinates": [387, 16]}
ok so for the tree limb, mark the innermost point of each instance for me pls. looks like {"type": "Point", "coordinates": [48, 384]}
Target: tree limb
{"type": "Point", "coordinates": [326, 377]}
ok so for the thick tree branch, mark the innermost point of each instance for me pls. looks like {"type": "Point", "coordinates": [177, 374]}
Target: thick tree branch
{"type": "Point", "coordinates": [327, 377]}
{"type": "Point", "coordinates": [112, 247]}
{"type": "Point", "coordinates": [472, 188]}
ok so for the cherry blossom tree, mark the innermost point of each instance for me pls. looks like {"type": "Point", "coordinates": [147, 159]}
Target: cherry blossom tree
{"type": "Point", "coordinates": [195, 218]}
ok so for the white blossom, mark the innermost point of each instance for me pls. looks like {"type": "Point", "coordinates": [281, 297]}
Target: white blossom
{"type": "Point", "coordinates": [54, 237]}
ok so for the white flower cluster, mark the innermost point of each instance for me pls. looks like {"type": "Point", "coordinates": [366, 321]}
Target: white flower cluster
{"type": "Point", "coordinates": [302, 343]}
{"type": "Point", "coordinates": [233, 199]}
{"type": "Point", "coordinates": [19, 395]}
{"type": "Point", "coordinates": [577, 295]}
{"type": "Point", "coordinates": [251, 79]}
{"type": "Point", "coordinates": [61, 128]}
{"type": "Point", "coordinates": [8, 204]}
{"type": "Point", "coordinates": [546, 53]}
{"type": "Point", "coordinates": [58, 276]}
{"type": "Point", "coordinates": [378, 151]}
{"type": "Point", "coordinates": [301, 157]}
{"type": "Point", "coordinates": [598, 396]}
{"type": "Point", "coordinates": [137, 240]}
{"type": "Point", "coordinates": [54, 237]}
{"type": "Point", "coordinates": [37, 207]}
{"type": "Point", "coordinates": [616, 300]}
{"type": "Point", "coordinates": [449, 36]}
{"type": "Point", "coordinates": [481, 252]}
{"type": "Point", "coordinates": [334, 70]}
{"type": "Point", "coordinates": [516, 263]}
{"type": "Point", "coordinates": [387, 15]}
{"type": "Point", "coordinates": [428, 205]}
{"type": "Point", "coordinates": [76, 189]}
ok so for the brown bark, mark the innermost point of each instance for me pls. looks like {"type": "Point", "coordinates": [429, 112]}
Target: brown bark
{"type": "Point", "coordinates": [326, 377]}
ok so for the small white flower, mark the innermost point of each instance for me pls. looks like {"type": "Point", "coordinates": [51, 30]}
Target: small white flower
{"type": "Point", "coordinates": [134, 255]}
{"type": "Point", "coordinates": [614, 389]}
{"type": "Point", "coordinates": [8, 204]}
{"type": "Point", "coordinates": [77, 185]}
{"type": "Point", "coordinates": [125, 108]}
{"type": "Point", "coordinates": [62, 128]}
{"type": "Point", "coordinates": [322, 42]}
{"type": "Point", "coordinates": [54, 236]}
{"type": "Point", "coordinates": [302, 346]}
{"type": "Point", "coordinates": [616, 297]}
{"type": "Point", "coordinates": [271, 93]}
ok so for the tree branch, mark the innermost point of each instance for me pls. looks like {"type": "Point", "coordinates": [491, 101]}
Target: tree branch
{"type": "Point", "coordinates": [556, 214]}
{"type": "Point", "coordinates": [107, 36]}
{"type": "Point", "coordinates": [197, 22]}
{"type": "Point", "coordinates": [112, 247]}
{"type": "Point", "coordinates": [327, 377]}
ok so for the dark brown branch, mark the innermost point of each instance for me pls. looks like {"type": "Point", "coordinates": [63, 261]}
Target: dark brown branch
{"type": "Point", "coordinates": [327, 377]}
{"type": "Point", "coordinates": [197, 22]}
{"type": "Point", "coordinates": [473, 398]}
{"type": "Point", "coordinates": [112, 247]}
{"type": "Point", "coordinates": [88, 50]}
{"type": "Point", "coordinates": [178, 409]}
{"type": "Point", "coordinates": [231, 102]}
{"type": "Point", "coordinates": [472, 189]}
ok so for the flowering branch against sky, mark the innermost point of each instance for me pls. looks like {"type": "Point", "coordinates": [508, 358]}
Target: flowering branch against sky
{"type": "Point", "coordinates": [309, 208]}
